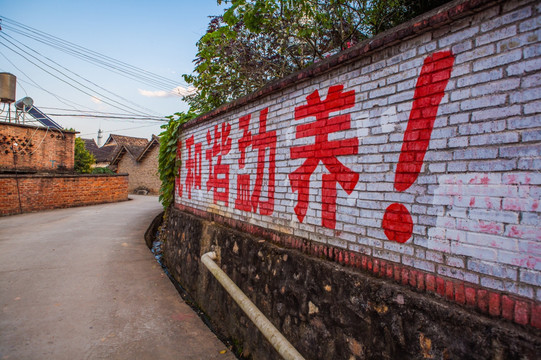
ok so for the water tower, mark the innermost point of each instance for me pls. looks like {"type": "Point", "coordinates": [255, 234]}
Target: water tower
{"type": "Point", "coordinates": [7, 91]}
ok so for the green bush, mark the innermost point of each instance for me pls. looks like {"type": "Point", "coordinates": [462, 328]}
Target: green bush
{"type": "Point", "coordinates": [102, 170]}
{"type": "Point", "coordinates": [168, 163]}
{"type": "Point", "coordinates": [82, 158]}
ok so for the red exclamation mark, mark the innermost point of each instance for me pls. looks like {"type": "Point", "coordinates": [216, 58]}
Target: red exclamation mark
{"type": "Point", "coordinates": [397, 223]}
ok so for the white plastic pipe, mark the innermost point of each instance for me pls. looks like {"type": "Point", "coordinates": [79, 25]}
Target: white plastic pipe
{"type": "Point", "coordinates": [280, 343]}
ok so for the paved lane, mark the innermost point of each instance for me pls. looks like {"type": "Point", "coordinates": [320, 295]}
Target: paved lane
{"type": "Point", "coordinates": [80, 283]}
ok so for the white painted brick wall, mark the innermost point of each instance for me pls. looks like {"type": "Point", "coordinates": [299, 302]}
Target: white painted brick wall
{"type": "Point", "coordinates": [476, 203]}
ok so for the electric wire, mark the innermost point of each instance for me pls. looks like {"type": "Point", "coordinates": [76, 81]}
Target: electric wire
{"type": "Point", "coordinates": [111, 117]}
{"type": "Point", "coordinates": [112, 103]}
{"type": "Point", "coordinates": [76, 110]}
{"type": "Point", "coordinates": [100, 64]}
{"type": "Point", "coordinates": [34, 83]}
{"type": "Point", "coordinates": [94, 57]}
{"type": "Point", "coordinates": [81, 77]}
{"type": "Point", "coordinates": [58, 97]}
{"type": "Point", "coordinates": [84, 54]}
{"type": "Point", "coordinates": [104, 113]}
{"type": "Point", "coordinates": [22, 87]}
{"type": "Point", "coordinates": [124, 129]}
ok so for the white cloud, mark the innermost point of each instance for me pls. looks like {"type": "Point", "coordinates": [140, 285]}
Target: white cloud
{"type": "Point", "coordinates": [178, 91]}
{"type": "Point", "coordinates": [96, 100]}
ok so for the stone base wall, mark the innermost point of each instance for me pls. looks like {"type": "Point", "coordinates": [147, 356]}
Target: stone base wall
{"type": "Point", "coordinates": [328, 311]}
{"type": "Point", "coordinates": [30, 193]}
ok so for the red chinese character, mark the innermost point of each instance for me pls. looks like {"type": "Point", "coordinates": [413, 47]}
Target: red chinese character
{"type": "Point", "coordinates": [324, 151]}
{"type": "Point", "coordinates": [178, 185]}
{"type": "Point", "coordinates": [262, 141]}
{"type": "Point", "coordinates": [193, 166]}
{"type": "Point", "coordinates": [219, 173]}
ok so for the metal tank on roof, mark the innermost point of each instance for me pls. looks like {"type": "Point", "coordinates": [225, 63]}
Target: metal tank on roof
{"type": "Point", "coordinates": [7, 87]}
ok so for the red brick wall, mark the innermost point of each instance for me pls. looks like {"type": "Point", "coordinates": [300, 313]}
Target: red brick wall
{"type": "Point", "coordinates": [37, 149]}
{"type": "Point", "coordinates": [42, 192]}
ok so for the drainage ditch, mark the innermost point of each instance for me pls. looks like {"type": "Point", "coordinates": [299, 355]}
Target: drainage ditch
{"type": "Point", "coordinates": [153, 239]}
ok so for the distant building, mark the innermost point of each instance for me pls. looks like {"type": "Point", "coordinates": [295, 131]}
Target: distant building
{"type": "Point", "coordinates": [137, 157]}
{"type": "Point", "coordinates": [36, 149]}
{"type": "Point", "coordinates": [103, 155]}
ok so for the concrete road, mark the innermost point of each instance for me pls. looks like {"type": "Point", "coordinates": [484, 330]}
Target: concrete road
{"type": "Point", "coordinates": [80, 283]}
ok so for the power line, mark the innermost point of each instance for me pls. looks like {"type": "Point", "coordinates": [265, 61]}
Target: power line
{"type": "Point", "coordinates": [92, 113]}
{"type": "Point", "coordinates": [83, 53]}
{"type": "Point", "coordinates": [76, 110]}
{"type": "Point", "coordinates": [79, 76]}
{"type": "Point", "coordinates": [92, 56]}
{"type": "Point", "coordinates": [33, 83]}
{"type": "Point", "coordinates": [111, 117]}
{"type": "Point", "coordinates": [68, 83]}
{"type": "Point", "coordinates": [111, 131]}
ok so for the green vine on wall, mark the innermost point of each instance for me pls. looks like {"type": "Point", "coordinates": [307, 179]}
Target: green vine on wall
{"type": "Point", "coordinates": [168, 162]}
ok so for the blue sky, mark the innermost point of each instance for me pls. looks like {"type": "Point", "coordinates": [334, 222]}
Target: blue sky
{"type": "Point", "coordinates": [157, 36]}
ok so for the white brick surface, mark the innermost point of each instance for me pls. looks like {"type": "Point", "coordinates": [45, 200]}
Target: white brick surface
{"type": "Point", "coordinates": [476, 202]}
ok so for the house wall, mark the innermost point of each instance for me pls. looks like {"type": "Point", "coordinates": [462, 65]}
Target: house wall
{"type": "Point", "coordinates": [414, 156]}
{"type": "Point", "coordinates": [30, 193]}
{"type": "Point", "coordinates": [143, 173]}
{"type": "Point", "coordinates": [37, 149]}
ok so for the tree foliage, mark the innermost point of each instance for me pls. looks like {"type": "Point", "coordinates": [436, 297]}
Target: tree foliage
{"type": "Point", "coordinates": [256, 41]}
{"type": "Point", "coordinates": [83, 159]}
{"type": "Point", "coordinates": [102, 170]}
{"type": "Point", "coordinates": [168, 161]}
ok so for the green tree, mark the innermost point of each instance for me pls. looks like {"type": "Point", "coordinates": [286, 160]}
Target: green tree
{"type": "Point", "coordinates": [102, 170]}
{"type": "Point", "coordinates": [168, 162]}
{"type": "Point", "coordinates": [82, 158]}
{"type": "Point", "coordinates": [256, 41]}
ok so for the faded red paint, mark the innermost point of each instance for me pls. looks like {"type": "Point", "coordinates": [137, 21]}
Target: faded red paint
{"type": "Point", "coordinates": [429, 92]}
{"type": "Point", "coordinates": [218, 181]}
{"type": "Point", "coordinates": [515, 232]}
{"type": "Point", "coordinates": [485, 180]}
{"type": "Point", "coordinates": [265, 140]}
{"type": "Point", "coordinates": [324, 151]}
{"type": "Point", "coordinates": [490, 228]}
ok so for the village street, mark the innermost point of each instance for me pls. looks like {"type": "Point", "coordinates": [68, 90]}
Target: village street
{"type": "Point", "coordinates": [80, 283]}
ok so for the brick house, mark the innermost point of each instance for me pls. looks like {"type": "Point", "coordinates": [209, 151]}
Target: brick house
{"type": "Point", "coordinates": [27, 148]}
{"type": "Point", "coordinates": [103, 155]}
{"type": "Point", "coordinates": [137, 157]}
{"type": "Point", "coordinates": [37, 172]}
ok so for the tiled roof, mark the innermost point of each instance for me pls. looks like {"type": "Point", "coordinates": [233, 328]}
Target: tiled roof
{"type": "Point", "coordinates": [133, 145]}
{"type": "Point", "coordinates": [116, 145]}
{"type": "Point", "coordinates": [101, 154]}
{"type": "Point", "coordinates": [90, 145]}
{"type": "Point", "coordinates": [155, 141]}
{"type": "Point", "coordinates": [105, 153]}
{"type": "Point", "coordinates": [126, 140]}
